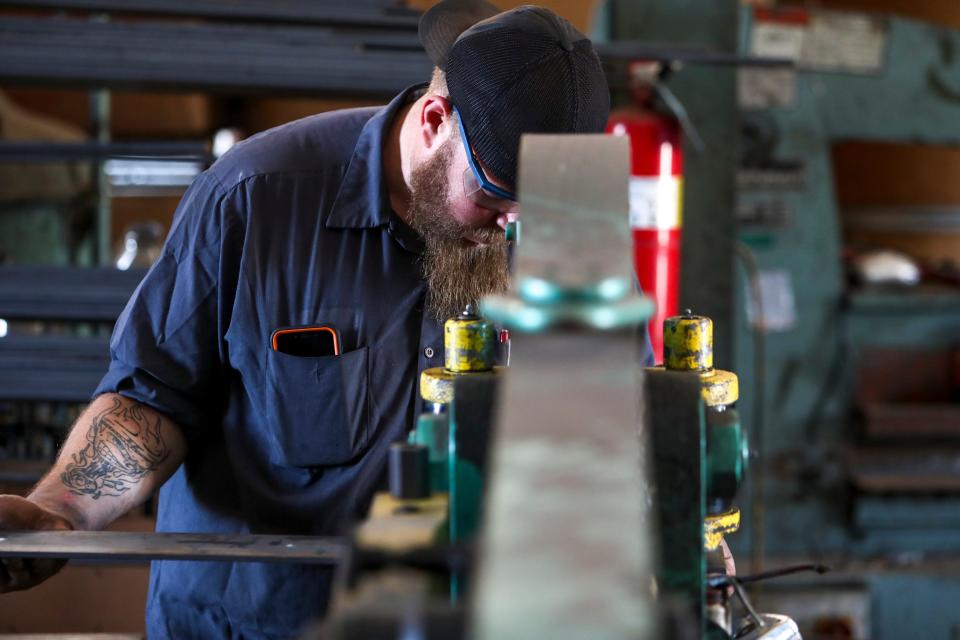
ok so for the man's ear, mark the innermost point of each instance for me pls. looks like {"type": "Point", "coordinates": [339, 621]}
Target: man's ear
{"type": "Point", "coordinates": [436, 121]}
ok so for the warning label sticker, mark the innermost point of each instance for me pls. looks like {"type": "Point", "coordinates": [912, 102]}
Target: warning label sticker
{"type": "Point", "coordinates": [655, 202]}
{"type": "Point", "coordinates": [832, 41]}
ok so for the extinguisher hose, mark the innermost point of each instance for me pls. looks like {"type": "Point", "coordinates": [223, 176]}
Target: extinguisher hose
{"type": "Point", "coordinates": [676, 107]}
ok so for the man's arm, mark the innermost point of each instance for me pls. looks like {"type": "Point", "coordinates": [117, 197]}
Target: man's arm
{"type": "Point", "coordinates": [117, 454]}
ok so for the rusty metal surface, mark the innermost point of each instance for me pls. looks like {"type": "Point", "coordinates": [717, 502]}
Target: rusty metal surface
{"type": "Point", "coordinates": [128, 546]}
{"type": "Point", "coordinates": [566, 547]}
{"type": "Point", "coordinates": [573, 266]}
{"type": "Point", "coordinates": [573, 194]}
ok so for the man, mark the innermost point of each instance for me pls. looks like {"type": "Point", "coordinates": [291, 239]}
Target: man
{"type": "Point", "coordinates": [377, 222]}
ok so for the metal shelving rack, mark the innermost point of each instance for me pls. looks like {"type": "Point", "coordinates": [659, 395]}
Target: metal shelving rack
{"type": "Point", "coordinates": [364, 48]}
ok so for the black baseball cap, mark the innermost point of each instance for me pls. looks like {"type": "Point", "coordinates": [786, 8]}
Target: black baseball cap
{"type": "Point", "coordinates": [526, 70]}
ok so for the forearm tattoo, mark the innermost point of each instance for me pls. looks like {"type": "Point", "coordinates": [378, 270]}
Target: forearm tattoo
{"type": "Point", "coordinates": [123, 446]}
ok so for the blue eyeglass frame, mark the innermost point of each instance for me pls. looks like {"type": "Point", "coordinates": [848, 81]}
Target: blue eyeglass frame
{"type": "Point", "coordinates": [485, 184]}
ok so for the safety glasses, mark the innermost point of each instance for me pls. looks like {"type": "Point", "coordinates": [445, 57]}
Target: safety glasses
{"type": "Point", "coordinates": [477, 186]}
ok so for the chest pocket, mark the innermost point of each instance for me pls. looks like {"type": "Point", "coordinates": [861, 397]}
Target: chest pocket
{"type": "Point", "coordinates": [317, 408]}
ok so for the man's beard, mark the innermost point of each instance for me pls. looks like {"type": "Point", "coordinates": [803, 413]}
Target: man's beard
{"type": "Point", "coordinates": [457, 274]}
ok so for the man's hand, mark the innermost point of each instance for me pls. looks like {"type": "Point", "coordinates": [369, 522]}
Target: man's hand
{"type": "Point", "coordinates": [20, 514]}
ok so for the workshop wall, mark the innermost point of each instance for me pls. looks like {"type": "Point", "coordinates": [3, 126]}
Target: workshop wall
{"type": "Point", "coordinates": [874, 174]}
{"type": "Point", "coordinates": [818, 499]}
{"type": "Point", "coordinates": [946, 12]}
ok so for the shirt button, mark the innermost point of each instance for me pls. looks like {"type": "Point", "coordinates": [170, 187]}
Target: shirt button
{"type": "Point", "coordinates": [428, 352]}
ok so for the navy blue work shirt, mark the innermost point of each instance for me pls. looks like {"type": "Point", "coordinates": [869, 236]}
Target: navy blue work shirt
{"type": "Point", "coordinates": [292, 227]}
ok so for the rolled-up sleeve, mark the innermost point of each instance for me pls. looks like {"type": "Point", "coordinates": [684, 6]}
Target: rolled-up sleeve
{"type": "Point", "coordinates": [166, 346]}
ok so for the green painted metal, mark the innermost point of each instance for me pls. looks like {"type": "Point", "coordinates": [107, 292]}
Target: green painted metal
{"type": "Point", "coordinates": [678, 439]}
{"type": "Point", "coordinates": [727, 455]}
{"type": "Point", "coordinates": [809, 369]}
{"type": "Point", "coordinates": [465, 484]}
{"type": "Point", "coordinates": [566, 535]}
{"type": "Point", "coordinates": [472, 412]}
{"type": "Point", "coordinates": [541, 291]}
{"type": "Point", "coordinates": [431, 431]}
{"type": "Point", "coordinates": [466, 487]}
{"type": "Point", "coordinates": [707, 272]}
{"type": "Point", "coordinates": [708, 94]}
{"type": "Point", "coordinates": [513, 231]}
{"type": "Point", "coordinates": [520, 315]}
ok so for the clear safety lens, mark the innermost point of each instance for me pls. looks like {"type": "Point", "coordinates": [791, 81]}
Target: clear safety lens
{"type": "Point", "coordinates": [483, 198]}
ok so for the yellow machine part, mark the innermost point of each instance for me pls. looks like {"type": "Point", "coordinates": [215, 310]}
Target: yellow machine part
{"type": "Point", "coordinates": [688, 346]}
{"type": "Point", "coordinates": [720, 387]}
{"type": "Point", "coordinates": [468, 344]}
{"type": "Point", "coordinates": [715, 527]}
{"type": "Point", "coordinates": [688, 343]}
{"type": "Point", "coordinates": [436, 384]}
{"type": "Point", "coordinates": [400, 525]}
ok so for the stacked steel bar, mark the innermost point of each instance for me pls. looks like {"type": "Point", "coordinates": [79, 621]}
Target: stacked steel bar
{"type": "Point", "coordinates": [58, 368]}
{"type": "Point", "coordinates": [368, 13]}
{"type": "Point", "coordinates": [209, 57]}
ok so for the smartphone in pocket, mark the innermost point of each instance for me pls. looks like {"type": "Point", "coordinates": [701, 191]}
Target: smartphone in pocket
{"type": "Point", "coordinates": [310, 342]}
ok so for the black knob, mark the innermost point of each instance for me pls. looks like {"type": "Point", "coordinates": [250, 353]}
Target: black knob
{"type": "Point", "coordinates": [409, 471]}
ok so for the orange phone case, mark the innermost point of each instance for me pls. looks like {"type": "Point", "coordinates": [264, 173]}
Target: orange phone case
{"type": "Point", "coordinates": [330, 330]}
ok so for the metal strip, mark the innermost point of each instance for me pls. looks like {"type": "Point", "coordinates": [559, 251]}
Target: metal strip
{"type": "Point", "coordinates": [159, 54]}
{"type": "Point", "coordinates": [566, 546]}
{"type": "Point", "coordinates": [53, 151]}
{"type": "Point", "coordinates": [575, 211]}
{"type": "Point", "coordinates": [127, 546]}
{"type": "Point", "coordinates": [678, 441]}
{"type": "Point", "coordinates": [371, 13]}
{"type": "Point", "coordinates": [65, 293]}
{"type": "Point", "coordinates": [37, 385]}
{"type": "Point", "coordinates": [671, 52]}
{"type": "Point", "coordinates": [904, 219]}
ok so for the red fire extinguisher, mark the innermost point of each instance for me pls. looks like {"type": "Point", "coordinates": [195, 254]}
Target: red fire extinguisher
{"type": "Point", "coordinates": [656, 187]}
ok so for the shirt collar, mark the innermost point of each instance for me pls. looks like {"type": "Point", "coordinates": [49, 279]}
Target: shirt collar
{"type": "Point", "coordinates": [362, 201]}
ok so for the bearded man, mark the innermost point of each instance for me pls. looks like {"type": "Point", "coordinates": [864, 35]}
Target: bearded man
{"type": "Point", "coordinates": [375, 224]}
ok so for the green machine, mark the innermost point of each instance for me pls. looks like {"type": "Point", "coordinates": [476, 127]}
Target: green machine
{"type": "Point", "coordinates": [457, 454]}
{"type": "Point", "coordinates": [888, 80]}
{"type": "Point", "coordinates": [595, 493]}
{"type": "Point", "coordinates": [763, 189]}
{"type": "Point", "coordinates": [589, 445]}
{"type": "Point", "coordinates": [899, 88]}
